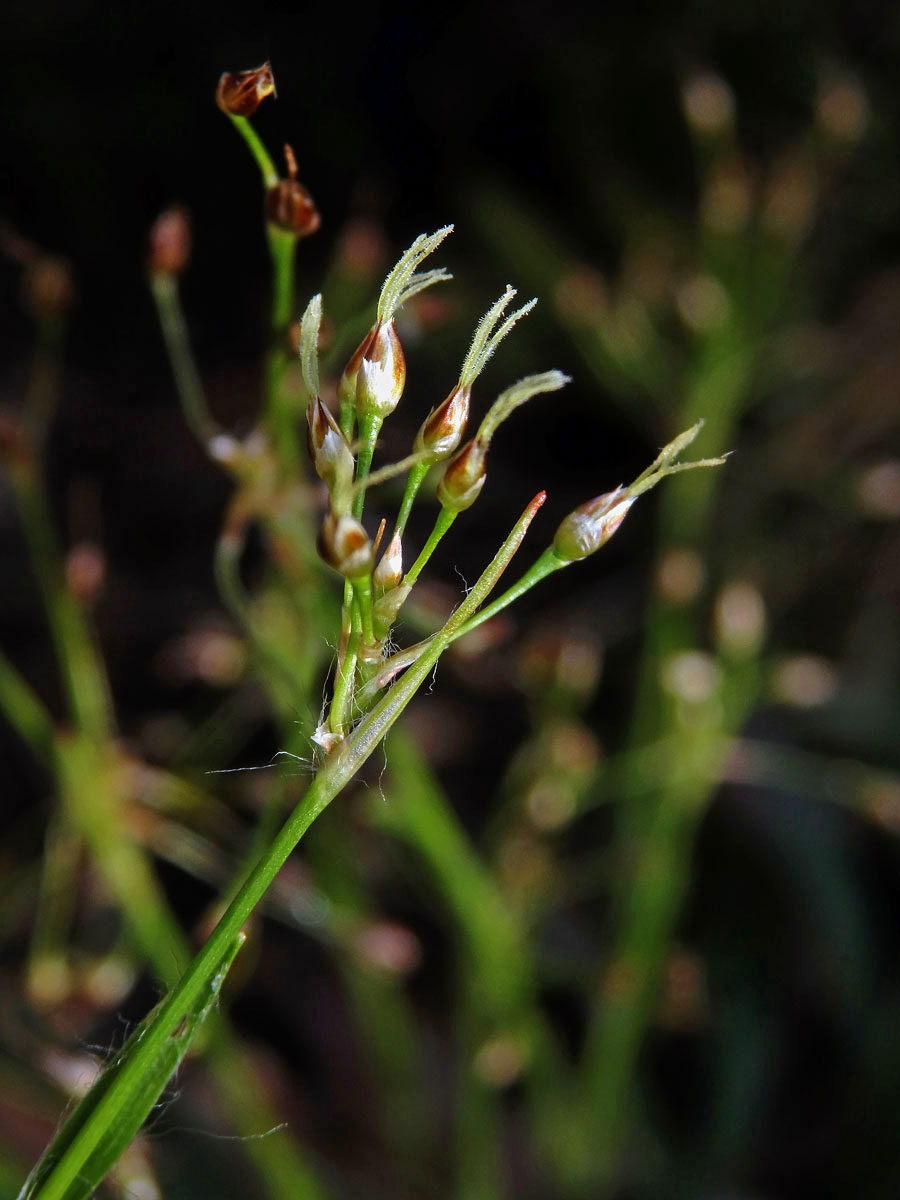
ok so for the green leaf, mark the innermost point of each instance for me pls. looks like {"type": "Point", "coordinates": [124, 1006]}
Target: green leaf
{"type": "Point", "coordinates": [95, 1134]}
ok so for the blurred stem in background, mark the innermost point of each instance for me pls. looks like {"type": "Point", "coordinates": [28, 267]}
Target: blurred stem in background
{"type": "Point", "coordinates": [690, 702]}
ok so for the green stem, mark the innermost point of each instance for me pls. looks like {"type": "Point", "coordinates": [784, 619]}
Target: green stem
{"type": "Point", "coordinates": [544, 566]}
{"type": "Point", "coordinates": [85, 682]}
{"type": "Point", "coordinates": [414, 481]}
{"type": "Point", "coordinates": [178, 347]}
{"type": "Point", "coordinates": [445, 519]}
{"type": "Point", "coordinates": [362, 589]}
{"type": "Point", "coordinates": [282, 248]}
{"type": "Point", "coordinates": [369, 428]}
{"type": "Point", "coordinates": [339, 713]}
{"type": "Point", "coordinates": [25, 712]}
{"type": "Point", "coordinates": [281, 417]}
{"type": "Point", "coordinates": [388, 668]}
{"type": "Point", "coordinates": [257, 149]}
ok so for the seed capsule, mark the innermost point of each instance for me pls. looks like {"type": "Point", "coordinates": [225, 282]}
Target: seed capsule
{"type": "Point", "coordinates": [463, 478]}
{"type": "Point", "coordinates": [389, 571]}
{"type": "Point", "coordinates": [289, 206]}
{"type": "Point", "coordinates": [443, 428]}
{"type": "Point", "coordinates": [240, 93]}
{"type": "Point", "coordinates": [345, 545]}
{"type": "Point", "coordinates": [381, 375]}
{"type": "Point", "coordinates": [591, 525]}
{"type": "Point", "coordinates": [330, 454]}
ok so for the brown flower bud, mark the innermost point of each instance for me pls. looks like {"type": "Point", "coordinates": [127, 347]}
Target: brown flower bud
{"type": "Point", "coordinates": [382, 373]}
{"type": "Point", "coordinates": [240, 93]}
{"type": "Point", "coordinates": [330, 454]}
{"type": "Point", "coordinates": [344, 545]}
{"type": "Point", "coordinates": [444, 426]}
{"type": "Point", "coordinates": [463, 478]}
{"type": "Point", "coordinates": [289, 206]}
{"type": "Point", "coordinates": [169, 246]}
{"type": "Point", "coordinates": [591, 525]}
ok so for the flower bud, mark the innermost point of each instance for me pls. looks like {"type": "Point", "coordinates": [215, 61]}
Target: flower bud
{"type": "Point", "coordinates": [169, 246]}
{"type": "Point", "coordinates": [464, 477]}
{"type": "Point", "coordinates": [346, 388]}
{"type": "Point", "coordinates": [330, 454]}
{"type": "Point", "coordinates": [289, 206]}
{"type": "Point", "coordinates": [240, 93]}
{"type": "Point", "coordinates": [389, 571]}
{"type": "Point", "coordinates": [444, 426]}
{"type": "Point", "coordinates": [344, 545]}
{"type": "Point", "coordinates": [382, 374]}
{"type": "Point", "coordinates": [591, 525]}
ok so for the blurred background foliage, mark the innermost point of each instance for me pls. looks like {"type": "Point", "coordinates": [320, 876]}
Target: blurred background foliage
{"type": "Point", "coordinates": [617, 911]}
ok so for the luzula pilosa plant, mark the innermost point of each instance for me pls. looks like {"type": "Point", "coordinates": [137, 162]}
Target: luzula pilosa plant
{"type": "Point", "coordinates": [373, 683]}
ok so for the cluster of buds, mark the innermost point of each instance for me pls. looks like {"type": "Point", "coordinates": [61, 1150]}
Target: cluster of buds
{"type": "Point", "coordinates": [342, 445]}
{"type": "Point", "coordinates": [341, 450]}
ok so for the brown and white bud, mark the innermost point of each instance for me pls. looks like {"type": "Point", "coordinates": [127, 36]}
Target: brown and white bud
{"type": "Point", "coordinates": [591, 525]}
{"type": "Point", "coordinates": [289, 206]}
{"type": "Point", "coordinates": [443, 428]}
{"type": "Point", "coordinates": [382, 374]}
{"type": "Point", "coordinates": [169, 246]}
{"type": "Point", "coordinates": [463, 478]}
{"type": "Point", "coordinates": [389, 571]}
{"type": "Point", "coordinates": [345, 546]}
{"type": "Point", "coordinates": [331, 455]}
{"type": "Point", "coordinates": [240, 93]}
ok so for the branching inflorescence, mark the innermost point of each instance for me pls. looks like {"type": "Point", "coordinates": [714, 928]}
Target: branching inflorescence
{"type": "Point", "coordinates": [342, 446]}
{"type": "Point", "coordinates": [370, 389]}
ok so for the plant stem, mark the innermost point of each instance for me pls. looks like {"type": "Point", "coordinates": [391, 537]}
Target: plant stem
{"type": "Point", "coordinates": [184, 367]}
{"type": "Point", "coordinates": [85, 682]}
{"type": "Point", "coordinates": [445, 519]}
{"type": "Point", "coordinates": [414, 481]}
{"type": "Point", "coordinates": [369, 428]}
{"type": "Point", "coordinates": [362, 590]}
{"type": "Point", "coordinates": [282, 420]}
{"type": "Point", "coordinates": [544, 566]}
{"type": "Point", "coordinates": [257, 149]}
